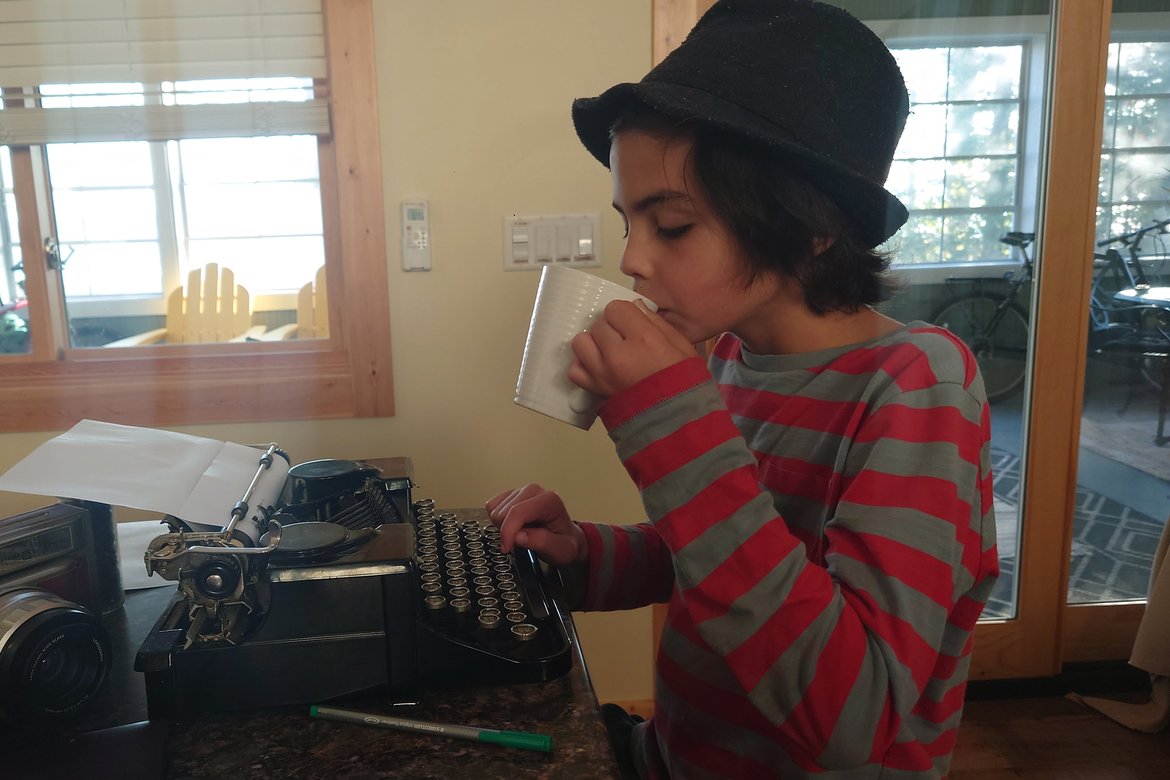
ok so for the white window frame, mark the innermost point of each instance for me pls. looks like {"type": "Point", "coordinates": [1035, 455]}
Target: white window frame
{"type": "Point", "coordinates": [1032, 33]}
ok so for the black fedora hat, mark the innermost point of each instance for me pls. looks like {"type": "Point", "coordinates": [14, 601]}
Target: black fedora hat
{"type": "Point", "coordinates": [805, 79]}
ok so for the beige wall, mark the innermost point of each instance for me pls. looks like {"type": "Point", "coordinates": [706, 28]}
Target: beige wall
{"type": "Point", "coordinates": [474, 101]}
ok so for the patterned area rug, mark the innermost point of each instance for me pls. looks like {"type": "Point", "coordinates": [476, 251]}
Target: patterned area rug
{"type": "Point", "coordinates": [1112, 549]}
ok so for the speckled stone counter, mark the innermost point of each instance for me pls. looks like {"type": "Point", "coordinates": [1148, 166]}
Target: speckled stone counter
{"type": "Point", "coordinates": [289, 743]}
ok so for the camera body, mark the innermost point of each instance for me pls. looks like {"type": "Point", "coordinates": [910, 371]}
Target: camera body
{"type": "Point", "coordinates": [54, 650]}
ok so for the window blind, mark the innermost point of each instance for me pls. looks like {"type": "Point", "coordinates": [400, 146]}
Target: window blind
{"type": "Point", "coordinates": [101, 70]}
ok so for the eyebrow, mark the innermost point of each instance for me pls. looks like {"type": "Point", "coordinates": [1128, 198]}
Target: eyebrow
{"type": "Point", "coordinates": [655, 199]}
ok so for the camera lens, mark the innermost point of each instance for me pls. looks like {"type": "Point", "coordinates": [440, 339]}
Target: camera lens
{"type": "Point", "coordinates": [54, 656]}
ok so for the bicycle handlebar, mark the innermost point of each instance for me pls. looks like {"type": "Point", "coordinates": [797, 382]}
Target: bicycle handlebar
{"type": "Point", "coordinates": [1137, 235]}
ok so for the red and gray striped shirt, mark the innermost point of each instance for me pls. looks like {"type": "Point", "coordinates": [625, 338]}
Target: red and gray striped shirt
{"type": "Point", "coordinates": [821, 525]}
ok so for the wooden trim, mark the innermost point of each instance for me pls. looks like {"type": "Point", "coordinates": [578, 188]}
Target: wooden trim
{"type": "Point", "coordinates": [670, 22]}
{"type": "Point", "coordinates": [1099, 632]}
{"type": "Point", "coordinates": [347, 375]}
{"type": "Point", "coordinates": [365, 329]}
{"type": "Point", "coordinates": [1030, 646]}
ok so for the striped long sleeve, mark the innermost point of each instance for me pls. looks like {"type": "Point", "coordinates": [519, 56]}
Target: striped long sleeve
{"type": "Point", "coordinates": [822, 526]}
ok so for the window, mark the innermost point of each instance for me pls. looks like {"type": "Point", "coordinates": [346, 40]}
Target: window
{"type": "Point", "coordinates": [128, 189]}
{"type": "Point", "coordinates": [134, 217]}
{"type": "Point", "coordinates": [956, 167]}
{"type": "Point", "coordinates": [1135, 155]}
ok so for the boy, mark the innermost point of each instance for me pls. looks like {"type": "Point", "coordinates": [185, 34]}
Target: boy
{"type": "Point", "coordinates": [818, 493]}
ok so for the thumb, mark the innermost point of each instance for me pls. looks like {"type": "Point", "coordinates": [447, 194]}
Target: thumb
{"type": "Point", "coordinates": [676, 339]}
{"type": "Point", "coordinates": [555, 548]}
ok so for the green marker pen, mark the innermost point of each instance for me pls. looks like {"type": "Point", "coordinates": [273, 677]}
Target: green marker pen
{"type": "Point", "coordinates": [515, 739]}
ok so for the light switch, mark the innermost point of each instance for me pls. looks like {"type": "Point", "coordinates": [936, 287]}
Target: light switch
{"type": "Point", "coordinates": [543, 243]}
{"type": "Point", "coordinates": [530, 243]}
{"type": "Point", "coordinates": [584, 241]}
{"type": "Point", "coordinates": [566, 237]}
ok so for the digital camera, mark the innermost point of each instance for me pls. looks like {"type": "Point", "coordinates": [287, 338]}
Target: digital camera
{"type": "Point", "coordinates": [54, 650]}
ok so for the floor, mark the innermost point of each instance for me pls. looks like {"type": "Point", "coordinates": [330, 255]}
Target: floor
{"type": "Point", "coordinates": [1120, 510]}
{"type": "Point", "coordinates": [1056, 739]}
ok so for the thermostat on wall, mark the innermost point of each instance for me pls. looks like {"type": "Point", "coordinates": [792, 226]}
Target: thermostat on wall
{"type": "Point", "coordinates": [416, 236]}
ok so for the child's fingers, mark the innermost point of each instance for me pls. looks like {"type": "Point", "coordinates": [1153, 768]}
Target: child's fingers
{"type": "Point", "coordinates": [676, 339]}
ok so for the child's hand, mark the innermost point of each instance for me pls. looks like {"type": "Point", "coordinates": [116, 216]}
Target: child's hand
{"type": "Point", "coordinates": [627, 344]}
{"type": "Point", "coordinates": [536, 518]}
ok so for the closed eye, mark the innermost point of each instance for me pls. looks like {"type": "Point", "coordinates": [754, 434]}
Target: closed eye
{"type": "Point", "coordinates": [673, 232]}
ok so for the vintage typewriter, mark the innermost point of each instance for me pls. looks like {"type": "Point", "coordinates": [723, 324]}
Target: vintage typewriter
{"type": "Point", "coordinates": [351, 588]}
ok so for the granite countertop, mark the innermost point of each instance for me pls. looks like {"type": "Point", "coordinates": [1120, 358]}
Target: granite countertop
{"type": "Point", "coordinates": [288, 743]}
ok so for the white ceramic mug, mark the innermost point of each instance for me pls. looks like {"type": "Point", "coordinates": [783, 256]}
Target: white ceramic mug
{"type": "Point", "coordinates": [567, 303]}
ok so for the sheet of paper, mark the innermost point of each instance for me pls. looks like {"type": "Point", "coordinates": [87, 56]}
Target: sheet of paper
{"type": "Point", "coordinates": [195, 479]}
{"type": "Point", "coordinates": [133, 539]}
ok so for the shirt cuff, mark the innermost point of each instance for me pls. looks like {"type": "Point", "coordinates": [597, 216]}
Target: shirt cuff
{"type": "Point", "coordinates": [654, 389]}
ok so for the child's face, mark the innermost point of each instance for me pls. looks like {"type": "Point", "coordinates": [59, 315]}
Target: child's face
{"type": "Point", "coordinates": [678, 252]}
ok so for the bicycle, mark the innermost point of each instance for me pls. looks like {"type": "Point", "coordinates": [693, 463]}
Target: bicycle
{"type": "Point", "coordinates": [992, 323]}
{"type": "Point", "coordinates": [1128, 317]}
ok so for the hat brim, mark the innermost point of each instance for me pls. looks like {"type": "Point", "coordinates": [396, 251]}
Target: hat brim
{"type": "Point", "coordinates": [874, 211]}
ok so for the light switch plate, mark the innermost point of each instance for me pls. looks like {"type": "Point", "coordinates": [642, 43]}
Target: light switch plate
{"type": "Point", "coordinates": [531, 243]}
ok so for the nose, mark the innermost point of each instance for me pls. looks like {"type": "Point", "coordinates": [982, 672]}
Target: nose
{"type": "Point", "coordinates": [634, 263]}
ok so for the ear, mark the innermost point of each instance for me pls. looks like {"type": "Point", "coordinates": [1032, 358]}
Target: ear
{"type": "Point", "coordinates": [821, 244]}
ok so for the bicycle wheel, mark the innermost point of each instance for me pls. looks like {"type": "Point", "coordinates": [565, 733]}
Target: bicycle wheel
{"type": "Point", "coordinates": [999, 340]}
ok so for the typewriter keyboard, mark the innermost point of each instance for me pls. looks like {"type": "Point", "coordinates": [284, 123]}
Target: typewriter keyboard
{"type": "Point", "coordinates": [474, 594]}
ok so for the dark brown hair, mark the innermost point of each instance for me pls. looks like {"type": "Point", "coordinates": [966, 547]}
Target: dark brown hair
{"type": "Point", "coordinates": [777, 216]}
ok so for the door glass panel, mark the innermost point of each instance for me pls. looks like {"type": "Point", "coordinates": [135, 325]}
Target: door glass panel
{"type": "Point", "coordinates": [1123, 478]}
{"type": "Point", "coordinates": [14, 327]}
{"type": "Point", "coordinates": [968, 168]}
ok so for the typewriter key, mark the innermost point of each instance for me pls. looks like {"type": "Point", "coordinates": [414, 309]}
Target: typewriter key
{"type": "Point", "coordinates": [517, 617]}
{"type": "Point", "coordinates": [427, 549]}
{"type": "Point", "coordinates": [459, 593]}
{"type": "Point", "coordinates": [486, 590]}
{"type": "Point", "coordinates": [489, 620]}
{"type": "Point", "coordinates": [513, 606]}
{"type": "Point", "coordinates": [428, 558]}
{"type": "Point", "coordinates": [524, 631]}
{"type": "Point", "coordinates": [479, 570]}
{"type": "Point", "coordinates": [461, 605]}
{"type": "Point", "coordinates": [483, 579]}
{"type": "Point", "coordinates": [488, 601]}
{"type": "Point", "coordinates": [424, 503]}
{"type": "Point", "coordinates": [457, 582]}
{"type": "Point", "coordinates": [431, 576]}
{"type": "Point", "coordinates": [448, 516]}
{"type": "Point", "coordinates": [453, 554]}
{"type": "Point", "coordinates": [452, 546]}
{"type": "Point", "coordinates": [429, 566]}
{"type": "Point", "coordinates": [510, 595]}
{"type": "Point", "coordinates": [435, 602]}
{"type": "Point", "coordinates": [432, 587]}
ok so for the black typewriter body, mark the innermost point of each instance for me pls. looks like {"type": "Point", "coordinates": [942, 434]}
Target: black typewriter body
{"type": "Point", "coordinates": [381, 594]}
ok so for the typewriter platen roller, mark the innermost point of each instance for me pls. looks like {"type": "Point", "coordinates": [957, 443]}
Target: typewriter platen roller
{"type": "Point", "coordinates": [353, 588]}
